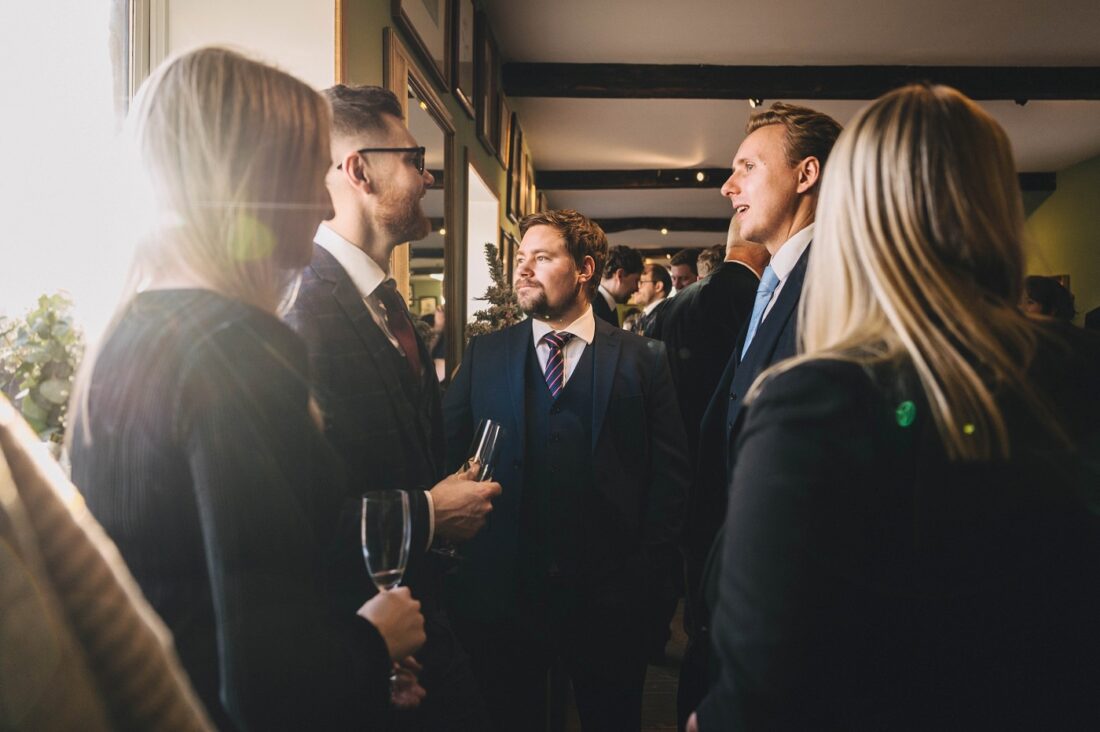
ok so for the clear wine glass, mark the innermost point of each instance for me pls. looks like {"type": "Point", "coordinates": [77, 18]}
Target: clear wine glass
{"type": "Point", "coordinates": [386, 530]}
{"type": "Point", "coordinates": [483, 452]}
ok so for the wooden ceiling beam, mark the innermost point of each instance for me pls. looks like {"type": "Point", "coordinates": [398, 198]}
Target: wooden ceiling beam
{"type": "Point", "coordinates": [601, 180]}
{"type": "Point", "coordinates": [687, 81]}
{"type": "Point", "coordinates": [613, 225]}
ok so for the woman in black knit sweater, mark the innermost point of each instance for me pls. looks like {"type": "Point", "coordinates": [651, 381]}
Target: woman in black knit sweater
{"type": "Point", "coordinates": [194, 443]}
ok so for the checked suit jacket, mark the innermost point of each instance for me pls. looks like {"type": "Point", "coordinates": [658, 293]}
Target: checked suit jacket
{"type": "Point", "coordinates": [385, 425]}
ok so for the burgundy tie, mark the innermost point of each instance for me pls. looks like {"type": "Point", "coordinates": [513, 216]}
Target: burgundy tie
{"type": "Point", "coordinates": [555, 364]}
{"type": "Point", "coordinates": [399, 323]}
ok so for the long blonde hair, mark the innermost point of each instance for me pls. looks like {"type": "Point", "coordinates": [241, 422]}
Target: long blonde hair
{"type": "Point", "coordinates": [227, 156]}
{"type": "Point", "coordinates": [918, 256]}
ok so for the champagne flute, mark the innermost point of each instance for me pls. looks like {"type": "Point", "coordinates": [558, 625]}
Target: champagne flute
{"type": "Point", "coordinates": [484, 448]}
{"type": "Point", "coordinates": [483, 453]}
{"type": "Point", "coordinates": [385, 531]}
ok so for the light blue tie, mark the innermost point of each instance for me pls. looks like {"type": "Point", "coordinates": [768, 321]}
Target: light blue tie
{"type": "Point", "coordinates": [764, 292]}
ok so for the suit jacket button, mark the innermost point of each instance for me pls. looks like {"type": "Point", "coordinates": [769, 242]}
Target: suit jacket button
{"type": "Point", "coordinates": [733, 395]}
{"type": "Point", "coordinates": [555, 409]}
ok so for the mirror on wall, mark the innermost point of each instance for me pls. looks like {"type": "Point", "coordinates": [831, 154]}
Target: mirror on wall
{"type": "Point", "coordinates": [427, 257]}
{"type": "Point", "coordinates": [428, 271]}
{"type": "Point", "coordinates": [482, 225]}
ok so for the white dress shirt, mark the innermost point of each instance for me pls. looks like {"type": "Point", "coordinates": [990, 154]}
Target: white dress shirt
{"type": "Point", "coordinates": [784, 261]}
{"type": "Point", "coordinates": [584, 330]}
{"type": "Point", "coordinates": [366, 275]}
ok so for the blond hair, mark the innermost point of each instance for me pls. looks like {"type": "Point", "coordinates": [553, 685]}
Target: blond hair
{"type": "Point", "coordinates": [228, 154]}
{"type": "Point", "coordinates": [918, 257]}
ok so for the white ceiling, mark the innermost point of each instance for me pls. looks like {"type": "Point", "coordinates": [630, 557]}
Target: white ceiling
{"type": "Point", "coordinates": [594, 134]}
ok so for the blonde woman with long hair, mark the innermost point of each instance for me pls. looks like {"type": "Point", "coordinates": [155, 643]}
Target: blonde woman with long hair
{"type": "Point", "coordinates": [912, 535]}
{"type": "Point", "coordinates": [194, 442]}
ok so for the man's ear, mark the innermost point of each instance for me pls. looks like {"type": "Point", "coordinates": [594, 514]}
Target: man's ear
{"type": "Point", "coordinates": [587, 268]}
{"type": "Point", "coordinates": [357, 173]}
{"type": "Point", "coordinates": [809, 172]}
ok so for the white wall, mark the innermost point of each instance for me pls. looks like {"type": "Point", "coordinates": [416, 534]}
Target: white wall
{"type": "Point", "coordinates": [298, 36]}
{"type": "Point", "coordinates": [482, 217]}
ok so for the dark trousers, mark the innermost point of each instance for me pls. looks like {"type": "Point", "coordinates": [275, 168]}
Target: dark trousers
{"type": "Point", "coordinates": [600, 649]}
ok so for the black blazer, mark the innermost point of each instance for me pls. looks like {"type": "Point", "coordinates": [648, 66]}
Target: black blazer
{"type": "Point", "coordinates": [604, 311]}
{"type": "Point", "coordinates": [869, 583]}
{"type": "Point", "coordinates": [699, 327]}
{"type": "Point", "coordinates": [385, 440]}
{"type": "Point", "coordinates": [638, 442]}
{"type": "Point", "coordinates": [775, 340]}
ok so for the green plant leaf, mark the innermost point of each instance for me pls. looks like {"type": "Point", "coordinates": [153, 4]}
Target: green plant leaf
{"type": "Point", "coordinates": [55, 390]}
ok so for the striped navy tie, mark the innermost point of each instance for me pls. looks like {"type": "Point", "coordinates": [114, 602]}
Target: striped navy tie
{"type": "Point", "coordinates": [555, 364]}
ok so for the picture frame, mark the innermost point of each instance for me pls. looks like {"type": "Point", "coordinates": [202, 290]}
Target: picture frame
{"type": "Point", "coordinates": [427, 24]}
{"type": "Point", "coordinates": [508, 247]}
{"type": "Point", "coordinates": [504, 145]}
{"type": "Point", "coordinates": [463, 17]}
{"type": "Point", "coordinates": [515, 157]}
{"type": "Point", "coordinates": [532, 191]}
{"type": "Point", "coordinates": [486, 85]}
{"type": "Point", "coordinates": [426, 305]}
{"type": "Point", "coordinates": [523, 207]}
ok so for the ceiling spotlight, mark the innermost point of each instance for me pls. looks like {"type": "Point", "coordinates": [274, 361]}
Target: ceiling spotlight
{"type": "Point", "coordinates": [443, 231]}
{"type": "Point", "coordinates": [424, 106]}
{"type": "Point", "coordinates": [755, 102]}
{"type": "Point", "coordinates": [664, 231]}
{"type": "Point", "coordinates": [700, 176]}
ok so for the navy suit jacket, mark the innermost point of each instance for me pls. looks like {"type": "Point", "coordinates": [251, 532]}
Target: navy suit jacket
{"type": "Point", "coordinates": [699, 327]}
{"type": "Point", "coordinates": [775, 340]}
{"type": "Point", "coordinates": [640, 463]}
{"type": "Point", "coordinates": [384, 440]}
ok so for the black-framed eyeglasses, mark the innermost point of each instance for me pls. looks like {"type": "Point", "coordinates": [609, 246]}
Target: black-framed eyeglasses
{"type": "Point", "coordinates": [418, 161]}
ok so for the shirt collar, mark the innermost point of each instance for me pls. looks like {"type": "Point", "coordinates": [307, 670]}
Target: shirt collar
{"type": "Point", "coordinates": [787, 256]}
{"type": "Point", "coordinates": [608, 298]}
{"type": "Point", "coordinates": [652, 306]}
{"type": "Point", "coordinates": [583, 327]}
{"type": "Point", "coordinates": [364, 272]}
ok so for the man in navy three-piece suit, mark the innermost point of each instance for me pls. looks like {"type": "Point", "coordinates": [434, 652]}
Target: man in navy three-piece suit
{"type": "Point", "coordinates": [593, 468]}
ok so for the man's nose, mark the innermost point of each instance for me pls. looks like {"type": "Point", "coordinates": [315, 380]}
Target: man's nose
{"type": "Point", "coordinates": [730, 186]}
{"type": "Point", "coordinates": [429, 179]}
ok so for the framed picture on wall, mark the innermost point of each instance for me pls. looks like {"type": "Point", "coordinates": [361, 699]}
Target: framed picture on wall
{"type": "Point", "coordinates": [462, 57]}
{"type": "Point", "coordinates": [427, 24]}
{"type": "Point", "coordinates": [426, 305]}
{"type": "Point", "coordinates": [486, 85]}
{"type": "Point", "coordinates": [507, 253]}
{"type": "Point", "coordinates": [504, 145]}
{"type": "Point", "coordinates": [531, 193]}
{"type": "Point", "coordinates": [515, 157]}
{"type": "Point", "coordinates": [524, 206]}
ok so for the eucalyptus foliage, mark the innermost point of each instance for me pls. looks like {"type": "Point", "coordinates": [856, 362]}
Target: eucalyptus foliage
{"type": "Point", "coordinates": [39, 355]}
{"type": "Point", "coordinates": [503, 309]}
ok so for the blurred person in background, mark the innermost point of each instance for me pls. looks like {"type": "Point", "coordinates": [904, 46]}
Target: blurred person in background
{"type": "Point", "coordinates": [1046, 296]}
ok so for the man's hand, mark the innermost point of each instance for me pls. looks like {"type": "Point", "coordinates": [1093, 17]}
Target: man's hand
{"type": "Point", "coordinates": [692, 723]}
{"type": "Point", "coordinates": [405, 690]}
{"type": "Point", "coordinates": [462, 503]}
{"type": "Point", "coordinates": [397, 617]}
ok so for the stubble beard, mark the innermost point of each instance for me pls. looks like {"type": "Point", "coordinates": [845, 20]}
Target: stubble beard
{"type": "Point", "coordinates": [402, 217]}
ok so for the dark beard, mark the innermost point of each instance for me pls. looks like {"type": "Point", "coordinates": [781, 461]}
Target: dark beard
{"type": "Point", "coordinates": [539, 308]}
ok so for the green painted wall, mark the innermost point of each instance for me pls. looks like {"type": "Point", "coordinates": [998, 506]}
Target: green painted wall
{"type": "Point", "coordinates": [1065, 233]}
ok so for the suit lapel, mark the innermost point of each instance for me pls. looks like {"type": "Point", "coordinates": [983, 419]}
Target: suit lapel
{"type": "Point", "coordinates": [375, 342]}
{"type": "Point", "coordinates": [516, 345]}
{"type": "Point", "coordinates": [606, 345]}
{"type": "Point", "coordinates": [763, 343]}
